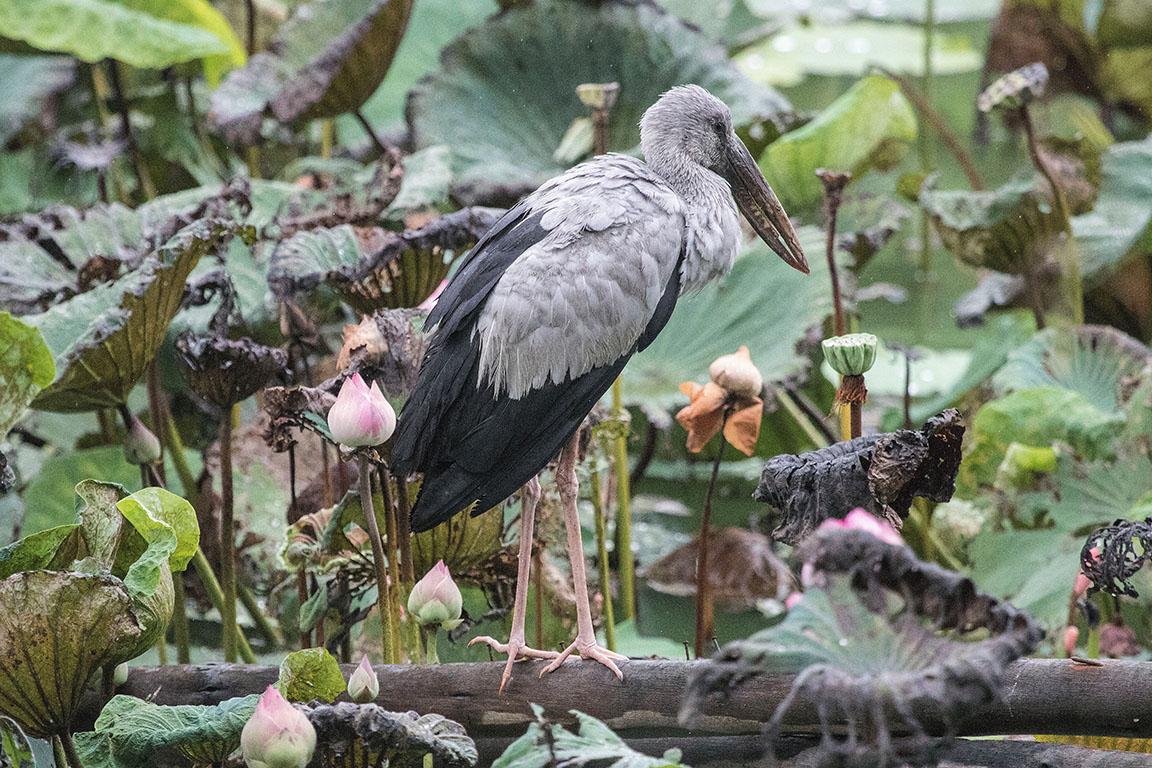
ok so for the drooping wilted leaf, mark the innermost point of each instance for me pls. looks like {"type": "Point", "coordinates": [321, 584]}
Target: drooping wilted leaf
{"type": "Point", "coordinates": [758, 305]}
{"type": "Point", "coordinates": [546, 744]}
{"type": "Point", "coordinates": [326, 60]}
{"type": "Point", "coordinates": [102, 340]}
{"type": "Point", "coordinates": [67, 626]}
{"type": "Point", "coordinates": [351, 735]}
{"type": "Point", "coordinates": [312, 674]}
{"type": "Point", "coordinates": [373, 268]}
{"type": "Point", "coordinates": [881, 473]}
{"type": "Point", "coordinates": [136, 33]}
{"type": "Point", "coordinates": [138, 730]}
{"type": "Point", "coordinates": [870, 126]}
{"type": "Point", "coordinates": [152, 510]}
{"type": "Point", "coordinates": [789, 55]}
{"type": "Point", "coordinates": [26, 367]}
{"type": "Point", "coordinates": [28, 82]}
{"type": "Point", "coordinates": [1097, 361]}
{"type": "Point", "coordinates": [227, 371]}
{"type": "Point", "coordinates": [879, 640]}
{"type": "Point", "coordinates": [503, 131]}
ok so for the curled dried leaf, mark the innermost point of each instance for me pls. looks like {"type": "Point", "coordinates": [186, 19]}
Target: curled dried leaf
{"type": "Point", "coordinates": [225, 371]}
{"type": "Point", "coordinates": [1112, 555]}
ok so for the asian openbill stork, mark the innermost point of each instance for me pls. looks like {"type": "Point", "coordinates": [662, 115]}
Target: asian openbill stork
{"type": "Point", "coordinates": [545, 311]}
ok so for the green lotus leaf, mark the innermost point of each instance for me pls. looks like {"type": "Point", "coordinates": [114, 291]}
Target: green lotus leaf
{"type": "Point", "coordinates": [1097, 361]}
{"type": "Point", "coordinates": [1037, 417]}
{"type": "Point", "coordinates": [103, 339]}
{"type": "Point", "coordinates": [312, 674]}
{"type": "Point", "coordinates": [137, 730]}
{"type": "Point", "coordinates": [26, 367]}
{"type": "Point", "coordinates": [135, 32]}
{"type": "Point", "coordinates": [545, 743]}
{"type": "Point", "coordinates": [101, 523]}
{"type": "Point", "coordinates": [66, 626]}
{"type": "Point", "coordinates": [1120, 224]}
{"type": "Point", "coordinates": [1085, 495]}
{"type": "Point", "coordinates": [760, 305]}
{"type": "Point", "coordinates": [52, 548]}
{"type": "Point", "coordinates": [327, 59]}
{"type": "Point", "coordinates": [729, 22]}
{"type": "Point", "coordinates": [373, 268]}
{"type": "Point", "coordinates": [27, 83]}
{"type": "Point", "coordinates": [785, 58]}
{"type": "Point", "coordinates": [504, 131]}
{"type": "Point", "coordinates": [427, 182]}
{"type": "Point", "coordinates": [870, 126]}
{"type": "Point", "coordinates": [889, 11]}
{"type": "Point", "coordinates": [1007, 229]}
{"type": "Point", "coordinates": [152, 511]}
{"type": "Point", "coordinates": [1033, 568]}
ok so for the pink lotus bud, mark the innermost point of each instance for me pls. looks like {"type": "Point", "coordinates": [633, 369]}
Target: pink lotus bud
{"type": "Point", "coordinates": [361, 415]}
{"type": "Point", "coordinates": [1081, 585]}
{"type": "Point", "coordinates": [862, 520]}
{"type": "Point", "coordinates": [793, 600]}
{"type": "Point", "coordinates": [1071, 637]}
{"type": "Point", "coordinates": [141, 446]}
{"type": "Point", "coordinates": [277, 735]}
{"type": "Point", "coordinates": [436, 599]}
{"type": "Point", "coordinates": [363, 685]}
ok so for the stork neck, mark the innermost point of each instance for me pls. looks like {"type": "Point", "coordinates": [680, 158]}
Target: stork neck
{"type": "Point", "coordinates": [694, 183]}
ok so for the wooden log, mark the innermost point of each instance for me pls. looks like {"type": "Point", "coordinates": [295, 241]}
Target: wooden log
{"type": "Point", "coordinates": [1040, 696]}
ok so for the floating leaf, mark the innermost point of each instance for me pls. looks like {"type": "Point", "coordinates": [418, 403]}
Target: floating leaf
{"type": "Point", "coordinates": [67, 626]}
{"type": "Point", "coordinates": [870, 126]}
{"type": "Point", "coordinates": [103, 339]}
{"type": "Point", "coordinates": [881, 640]}
{"type": "Point", "coordinates": [139, 730]}
{"type": "Point", "coordinates": [26, 367]}
{"type": "Point", "coordinates": [373, 268]}
{"type": "Point", "coordinates": [503, 131]}
{"type": "Point", "coordinates": [785, 58]}
{"type": "Point", "coordinates": [545, 744]}
{"type": "Point", "coordinates": [758, 305]}
{"type": "Point", "coordinates": [310, 675]}
{"type": "Point", "coordinates": [326, 60]}
{"type": "Point", "coordinates": [94, 30]}
{"type": "Point", "coordinates": [1097, 361]}
{"type": "Point", "coordinates": [352, 735]}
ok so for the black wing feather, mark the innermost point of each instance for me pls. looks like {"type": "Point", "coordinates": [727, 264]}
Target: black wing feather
{"type": "Point", "coordinates": [474, 448]}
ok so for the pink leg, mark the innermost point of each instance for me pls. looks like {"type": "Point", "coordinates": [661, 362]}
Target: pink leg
{"type": "Point", "coordinates": [585, 644]}
{"type": "Point", "coordinates": [516, 648]}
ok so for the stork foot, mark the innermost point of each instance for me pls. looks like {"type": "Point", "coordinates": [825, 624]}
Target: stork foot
{"type": "Point", "coordinates": [516, 650]}
{"type": "Point", "coordinates": [589, 650]}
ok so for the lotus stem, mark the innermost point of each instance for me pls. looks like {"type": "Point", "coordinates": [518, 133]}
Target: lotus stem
{"type": "Point", "coordinates": [58, 753]}
{"type": "Point", "coordinates": [602, 558]}
{"type": "Point", "coordinates": [69, 748]}
{"type": "Point", "coordinates": [833, 183]}
{"type": "Point", "coordinates": [264, 625]}
{"type": "Point", "coordinates": [216, 598]}
{"type": "Point", "coordinates": [142, 176]}
{"type": "Point", "coordinates": [802, 420]}
{"type": "Point", "coordinates": [392, 552]}
{"type": "Point", "coordinates": [381, 568]}
{"type": "Point", "coordinates": [1071, 287]}
{"type": "Point", "coordinates": [626, 561]}
{"type": "Point", "coordinates": [170, 437]}
{"type": "Point", "coordinates": [180, 620]}
{"type": "Point", "coordinates": [367, 126]}
{"type": "Point", "coordinates": [327, 137]}
{"type": "Point", "coordinates": [250, 40]}
{"type": "Point", "coordinates": [302, 596]}
{"type": "Point", "coordinates": [704, 607]}
{"type": "Point", "coordinates": [404, 532]}
{"type": "Point", "coordinates": [923, 144]}
{"type": "Point", "coordinates": [227, 538]}
{"type": "Point", "coordinates": [252, 160]}
{"type": "Point", "coordinates": [431, 654]}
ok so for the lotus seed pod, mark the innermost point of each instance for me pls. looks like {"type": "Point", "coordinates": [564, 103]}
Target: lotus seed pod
{"type": "Point", "coordinates": [852, 354]}
{"type": "Point", "coordinates": [363, 685]}
{"type": "Point", "coordinates": [141, 446]}
{"type": "Point", "coordinates": [737, 374]}
{"type": "Point", "coordinates": [1015, 89]}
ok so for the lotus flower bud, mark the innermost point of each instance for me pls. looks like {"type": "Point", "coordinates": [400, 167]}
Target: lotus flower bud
{"type": "Point", "coordinates": [363, 685]}
{"type": "Point", "coordinates": [120, 674]}
{"type": "Point", "coordinates": [436, 600]}
{"type": "Point", "coordinates": [141, 446]}
{"type": "Point", "coordinates": [861, 519]}
{"type": "Point", "coordinates": [361, 416]}
{"type": "Point", "coordinates": [1071, 637]}
{"type": "Point", "coordinates": [277, 735]}
{"type": "Point", "coordinates": [737, 374]}
{"type": "Point", "coordinates": [852, 354]}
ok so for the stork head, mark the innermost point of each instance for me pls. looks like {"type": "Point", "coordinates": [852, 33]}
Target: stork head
{"type": "Point", "coordinates": [688, 125]}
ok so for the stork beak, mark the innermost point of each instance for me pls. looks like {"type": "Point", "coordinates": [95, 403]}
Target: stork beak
{"type": "Point", "coordinates": [761, 207]}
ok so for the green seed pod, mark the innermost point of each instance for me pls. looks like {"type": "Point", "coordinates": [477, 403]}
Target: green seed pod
{"type": "Point", "coordinates": [1015, 89]}
{"type": "Point", "coordinates": [852, 354]}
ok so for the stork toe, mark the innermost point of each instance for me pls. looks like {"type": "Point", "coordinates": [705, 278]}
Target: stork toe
{"type": "Point", "coordinates": [516, 651]}
{"type": "Point", "coordinates": [588, 651]}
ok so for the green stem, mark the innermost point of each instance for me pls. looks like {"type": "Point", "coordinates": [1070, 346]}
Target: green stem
{"type": "Point", "coordinates": [216, 598]}
{"type": "Point", "coordinates": [142, 176]}
{"type": "Point", "coordinates": [58, 753]}
{"type": "Point", "coordinates": [180, 620]}
{"type": "Point", "coordinates": [264, 625]}
{"type": "Point", "coordinates": [378, 563]}
{"type": "Point", "coordinates": [602, 558]}
{"type": "Point", "coordinates": [70, 750]}
{"type": "Point", "coordinates": [227, 539]}
{"type": "Point", "coordinates": [392, 552]}
{"type": "Point", "coordinates": [704, 607]}
{"type": "Point", "coordinates": [431, 654]}
{"type": "Point", "coordinates": [625, 559]}
{"type": "Point", "coordinates": [924, 145]}
{"type": "Point", "coordinates": [175, 447]}
{"type": "Point", "coordinates": [797, 414]}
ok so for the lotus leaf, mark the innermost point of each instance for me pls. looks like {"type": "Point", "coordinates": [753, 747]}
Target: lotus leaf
{"type": "Point", "coordinates": [352, 735]}
{"type": "Point", "coordinates": [27, 82]}
{"type": "Point", "coordinates": [26, 367]}
{"type": "Point", "coordinates": [503, 131]}
{"type": "Point", "coordinates": [546, 744]}
{"type": "Point", "coordinates": [138, 730]}
{"type": "Point", "coordinates": [326, 60]}
{"type": "Point", "coordinates": [312, 674]}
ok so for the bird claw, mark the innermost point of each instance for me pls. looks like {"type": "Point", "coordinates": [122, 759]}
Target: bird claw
{"type": "Point", "coordinates": [516, 651]}
{"type": "Point", "coordinates": [589, 650]}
